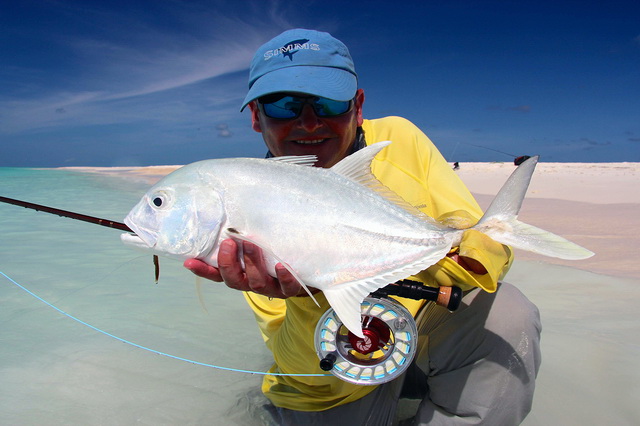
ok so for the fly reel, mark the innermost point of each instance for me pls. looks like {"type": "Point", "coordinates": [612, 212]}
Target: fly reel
{"type": "Point", "coordinates": [390, 335]}
{"type": "Point", "coordinates": [387, 349]}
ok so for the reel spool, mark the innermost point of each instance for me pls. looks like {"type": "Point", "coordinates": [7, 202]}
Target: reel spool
{"type": "Point", "coordinates": [388, 347]}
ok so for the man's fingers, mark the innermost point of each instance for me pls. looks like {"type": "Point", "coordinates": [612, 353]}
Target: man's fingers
{"type": "Point", "coordinates": [230, 267]}
{"type": "Point", "coordinates": [259, 280]}
{"type": "Point", "coordinates": [202, 269]}
{"type": "Point", "coordinates": [254, 277]}
{"type": "Point", "coordinates": [472, 265]}
{"type": "Point", "coordinates": [288, 284]}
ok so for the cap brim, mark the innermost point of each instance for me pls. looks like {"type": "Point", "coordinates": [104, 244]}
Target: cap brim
{"type": "Point", "coordinates": [326, 82]}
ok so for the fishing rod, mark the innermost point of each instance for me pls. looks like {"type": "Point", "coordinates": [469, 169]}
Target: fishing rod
{"type": "Point", "coordinates": [82, 217]}
{"type": "Point", "coordinates": [122, 227]}
{"type": "Point", "coordinates": [65, 213]}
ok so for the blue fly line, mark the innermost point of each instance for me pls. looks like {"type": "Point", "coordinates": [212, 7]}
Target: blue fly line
{"type": "Point", "coordinates": [128, 342]}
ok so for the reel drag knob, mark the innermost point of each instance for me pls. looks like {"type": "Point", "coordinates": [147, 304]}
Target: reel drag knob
{"type": "Point", "coordinates": [376, 335]}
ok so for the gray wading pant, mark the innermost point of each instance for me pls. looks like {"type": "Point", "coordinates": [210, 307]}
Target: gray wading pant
{"type": "Point", "coordinates": [476, 365]}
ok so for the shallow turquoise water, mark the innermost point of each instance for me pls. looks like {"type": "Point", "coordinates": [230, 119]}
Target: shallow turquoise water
{"type": "Point", "coordinates": [57, 371]}
{"type": "Point", "coordinates": [54, 370]}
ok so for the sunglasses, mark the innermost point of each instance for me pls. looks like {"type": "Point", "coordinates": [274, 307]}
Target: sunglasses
{"type": "Point", "coordinates": [288, 107]}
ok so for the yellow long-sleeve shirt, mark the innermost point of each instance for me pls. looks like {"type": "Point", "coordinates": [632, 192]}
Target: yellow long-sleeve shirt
{"type": "Point", "coordinates": [414, 169]}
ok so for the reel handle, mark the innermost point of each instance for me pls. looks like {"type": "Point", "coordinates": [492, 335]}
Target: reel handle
{"type": "Point", "coordinates": [327, 363]}
{"type": "Point", "coordinates": [448, 297]}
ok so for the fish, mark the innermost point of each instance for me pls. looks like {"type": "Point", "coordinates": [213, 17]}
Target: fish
{"type": "Point", "coordinates": [337, 229]}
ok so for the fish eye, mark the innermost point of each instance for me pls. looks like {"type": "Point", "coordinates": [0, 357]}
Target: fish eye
{"type": "Point", "coordinates": [160, 199]}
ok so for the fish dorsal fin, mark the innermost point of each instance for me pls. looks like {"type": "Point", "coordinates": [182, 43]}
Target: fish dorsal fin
{"type": "Point", "coordinates": [300, 160]}
{"type": "Point", "coordinates": [357, 167]}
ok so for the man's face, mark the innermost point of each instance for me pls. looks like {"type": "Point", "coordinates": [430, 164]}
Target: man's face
{"type": "Point", "coordinates": [328, 138]}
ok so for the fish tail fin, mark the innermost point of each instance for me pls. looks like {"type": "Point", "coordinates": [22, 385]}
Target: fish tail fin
{"type": "Point", "coordinates": [501, 223]}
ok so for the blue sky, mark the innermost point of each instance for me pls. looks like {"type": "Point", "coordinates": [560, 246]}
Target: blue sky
{"type": "Point", "coordinates": [88, 83]}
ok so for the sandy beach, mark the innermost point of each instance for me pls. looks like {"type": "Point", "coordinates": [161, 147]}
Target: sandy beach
{"type": "Point", "coordinates": [591, 336]}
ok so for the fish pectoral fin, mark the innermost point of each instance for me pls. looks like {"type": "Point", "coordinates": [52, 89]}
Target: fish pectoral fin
{"type": "Point", "coordinates": [346, 300]}
{"type": "Point", "coordinates": [269, 254]}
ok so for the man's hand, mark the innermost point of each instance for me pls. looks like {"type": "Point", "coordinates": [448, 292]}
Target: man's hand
{"type": "Point", "coordinates": [254, 277]}
{"type": "Point", "coordinates": [468, 263]}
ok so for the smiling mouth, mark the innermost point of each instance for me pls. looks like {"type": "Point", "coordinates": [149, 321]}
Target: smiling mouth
{"type": "Point", "coordinates": [309, 142]}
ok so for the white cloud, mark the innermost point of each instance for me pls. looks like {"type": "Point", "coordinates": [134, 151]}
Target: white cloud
{"type": "Point", "coordinates": [121, 77]}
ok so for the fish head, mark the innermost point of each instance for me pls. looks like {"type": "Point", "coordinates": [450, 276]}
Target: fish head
{"type": "Point", "coordinates": [177, 219]}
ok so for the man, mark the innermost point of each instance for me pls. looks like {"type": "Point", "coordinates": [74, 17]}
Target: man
{"type": "Point", "coordinates": [476, 365]}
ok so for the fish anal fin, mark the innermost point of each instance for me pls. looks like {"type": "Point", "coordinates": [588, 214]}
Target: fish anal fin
{"type": "Point", "coordinates": [346, 300]}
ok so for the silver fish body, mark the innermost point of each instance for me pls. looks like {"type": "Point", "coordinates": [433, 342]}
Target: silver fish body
{"type": "Point", "coordinates": [337, 230]}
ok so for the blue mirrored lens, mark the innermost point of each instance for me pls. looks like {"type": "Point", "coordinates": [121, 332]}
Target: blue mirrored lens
{"type": "Point", "coordinates": [285, 107]}
{"type": "Point", "coordinates": [289, 107]}
{"type": "Point", "coordinates": [328, 108]}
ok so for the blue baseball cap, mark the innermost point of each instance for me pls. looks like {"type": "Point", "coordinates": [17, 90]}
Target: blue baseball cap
{"type": "Point", "coordinates": [304, 61]}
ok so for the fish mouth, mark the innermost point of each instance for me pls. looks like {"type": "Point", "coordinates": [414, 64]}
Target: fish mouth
{"type": "Point", "coordinates": [134, 241]}
{"type": "Point", "coordinates": [143, 238]}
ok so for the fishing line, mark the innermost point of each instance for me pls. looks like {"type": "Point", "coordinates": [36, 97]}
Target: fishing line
{"type": "Point", "coordinates": [128, 342]}
{"type": "Point", "coordinates": [455, 148]}
{"type": "Point", "coordinates": [490, 149]}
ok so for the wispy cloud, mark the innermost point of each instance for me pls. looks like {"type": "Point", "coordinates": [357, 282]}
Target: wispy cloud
{"type": "Point", "coordinates": [592, 143]}
{"type": "Point", "coordinates": [162, 61]}
{"type": "Point", "coordinates": [223, 130]}
{"type": "Point", "coordinates": [109, 77]}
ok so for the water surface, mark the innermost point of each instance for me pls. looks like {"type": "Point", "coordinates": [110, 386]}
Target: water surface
{"type": "Point", "coordinates": [55, 370]}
